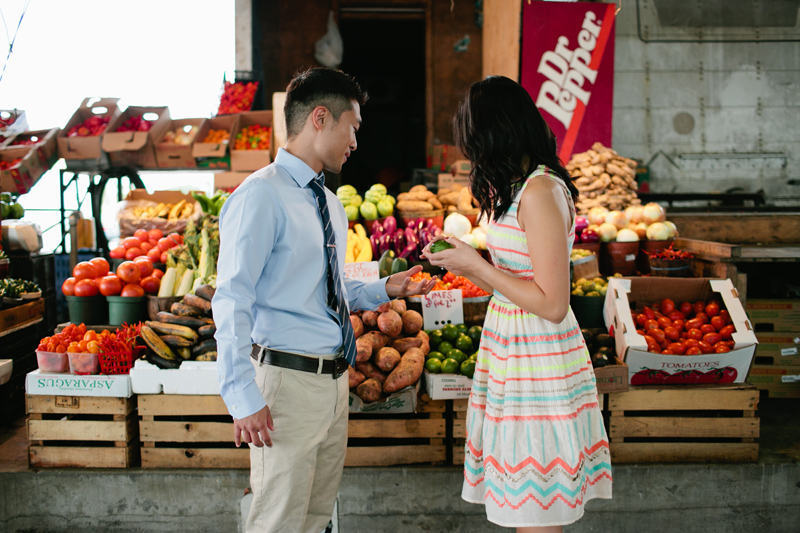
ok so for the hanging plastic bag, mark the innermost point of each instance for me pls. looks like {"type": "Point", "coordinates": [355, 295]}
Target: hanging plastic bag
{"type": "Point", "coordinates": [329, 50]}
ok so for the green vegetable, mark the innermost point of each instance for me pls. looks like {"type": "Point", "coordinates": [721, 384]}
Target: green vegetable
{"type": "Point", "coordinates": [13, 288]}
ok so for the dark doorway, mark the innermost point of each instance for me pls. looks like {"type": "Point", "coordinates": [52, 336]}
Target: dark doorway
{"type": "Point", "coordinates": [387, 57]}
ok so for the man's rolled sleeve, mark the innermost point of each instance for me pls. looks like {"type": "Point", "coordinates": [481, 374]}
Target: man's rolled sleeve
{"type": "Point", "coordinates": [362, 296]}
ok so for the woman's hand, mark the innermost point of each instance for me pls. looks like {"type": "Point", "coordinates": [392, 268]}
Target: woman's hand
{"type": "Point", "coordinates": [461, 260]}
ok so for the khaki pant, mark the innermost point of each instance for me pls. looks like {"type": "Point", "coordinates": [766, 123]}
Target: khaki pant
{"type": "Point", "coordinates": [295, 482]}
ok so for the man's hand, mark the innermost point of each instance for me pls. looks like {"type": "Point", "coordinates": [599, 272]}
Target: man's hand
{"type": "Point", "coordinates": [400, 285]}
{"type": "Point", "coordinates": [254, 428]}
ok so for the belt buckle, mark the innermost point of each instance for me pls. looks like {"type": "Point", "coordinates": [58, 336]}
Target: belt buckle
{"type": "Point", "coordinates": [341, 367]}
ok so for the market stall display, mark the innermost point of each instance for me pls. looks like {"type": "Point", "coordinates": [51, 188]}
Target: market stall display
{"type": "Point", "coordinates": [603, 178]}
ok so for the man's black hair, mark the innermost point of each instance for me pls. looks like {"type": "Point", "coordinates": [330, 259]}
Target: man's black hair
{"type": "Point", "coordinates": [326, 87]}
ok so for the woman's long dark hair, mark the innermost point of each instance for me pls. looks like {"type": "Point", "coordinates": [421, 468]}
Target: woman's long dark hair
{"type": "Point", "coordinates": [500, 130]}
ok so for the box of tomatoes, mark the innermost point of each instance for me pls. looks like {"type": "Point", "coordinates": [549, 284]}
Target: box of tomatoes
{"type": "Point", "coordinates": [680, 331]}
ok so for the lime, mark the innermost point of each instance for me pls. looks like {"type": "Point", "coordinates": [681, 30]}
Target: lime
{"type": "Point", "coordinates": [436, 355]}
{"type": "Point", "coordinates": [450, 366]}
{"type": "Point", "coordinates": [435, 338]}
{"type": "Point", "coordinates": [369, 211]}
{"type": "Point", "coordinates": [450, 332]}
{"type": "Point", "coordinates": [462, 328]}
{"type": "Point", "coordinates": [457, 354]}
{"type": "Point", "coordinates": [468, 368]}
{"type": "Point", "coordinates": [379, 187]}
{"type": "Point", "coordinates": [464, 343]}
{"type": "Point", "coordinates": [433, 365]}
{"type": "Point", "coordinates": [438, 246]}
{"type": "Point", "coordinates": [445, 347]}
{"type": "Point", "coordinates": [475, 333]}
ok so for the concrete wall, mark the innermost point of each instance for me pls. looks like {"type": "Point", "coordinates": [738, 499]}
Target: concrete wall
{"type": "Point", "coordinates": [743, 99]}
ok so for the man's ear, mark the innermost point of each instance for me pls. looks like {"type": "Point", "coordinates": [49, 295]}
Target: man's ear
{"type": "Point", "coordinates": [318, 117]}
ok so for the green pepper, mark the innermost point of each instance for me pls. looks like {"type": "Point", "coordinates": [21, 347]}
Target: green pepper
{"type": "Point", "coordinates": [202, 199]}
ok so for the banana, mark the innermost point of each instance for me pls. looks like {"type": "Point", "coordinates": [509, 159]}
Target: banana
{"type": "Point", "coordinates": [205, 291]}
{"type": "Point", "coordinates": [187, 211]}
{"type": "Point", "coordinates": [198, 302]}
{"type": "Point", "coordinates": [155, 343]}
{"type": "Point", "coordinates": [176, 209]}
{"type": "Point", "coordinates": [182, 309]}
{"type": "Point", "coordinates": [185, 353]}
{"type": "Point", "coordinates": [189, 322]}
{"type": "Point", "coordinates": [164, 211]}
{"type": "Point", "coordinates": [173, 329]}
{"type": "Point", "coordinates": [208, 345]}
{"type": "Point", "coordinates": [207, 330]}
{"type": "Point", "coordinates": [208, 356]}
{"type": "Point", "coordinates": [176, 342]}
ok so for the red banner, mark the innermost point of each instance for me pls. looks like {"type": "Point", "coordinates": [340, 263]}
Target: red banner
{"type": "Point", "coordinates": [568, 69]}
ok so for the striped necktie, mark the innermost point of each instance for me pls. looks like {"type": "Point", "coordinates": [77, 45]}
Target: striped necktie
{"type": "Point", "coordinates": [336, 300]}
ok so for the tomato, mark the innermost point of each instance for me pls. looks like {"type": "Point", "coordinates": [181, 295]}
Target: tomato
{"type": "Point", "coordinates": [154, 255]}
{"type": "Point", "coordinates": [110, 286]}
{"type": "Point", "coordinates": [150, 284]}
{"type": "Point", "coordinates": [683, 334]}
{"type": "Point", "coordinates": [718, 322]}
{"type": "Point", "coordinates": [176, 237]}
{"type": "Point", "coordinates": [86, 287]}
{"type": "Point", "coordinates": [702, 316]}
{"type": "Point", "coordinates": [129, 272]}
{"type": "Point", "coordinates": [131, 290]}
{"type": "Point", "coordinates": [82, 345]}
{"type": "Point", "coordinates": [165, 243]}
{"type": "Point", "coordinates": [164, 257]}
{"type": "Point", "coordinates": [658, 314]}
{"type": "Point", "coordinates": [90, 335]}
{"type": "Point", "coordinates": [721, 348]}
{"type": "Point", "coordinates": [693, 351]}
{"type": "Point", "coordinates": [707, 328]}
{"type": "Point", "coordinates": [158, 273]}
{"type": "Point", "coordinates": [84, 270]}
{"type": "Point", "coordinates": [705, 347]}
{"type": "Point", "coordinates": [61, 348]}
{"type": "Point", "coordinates": [73, 348]}
{"type": "Point", "coordinates": [100, 266]}
{"type": "Point", "coordinates": [133, 253]}
{"type": "Point", "coordinates": [155, 234]}
{"type": "Point", "coordinates": [146, 247]}
{"type": "Point", "coordinates": [727, 332]}
{"type": "Point", "coordinates": [694, 323]}
{"type": "Point", "coordinates": [640, 332]}
{"type": "Point", "coordinates": [694, 333]}
{"type": "Point", "coordinates": [145, 266]}
{"type": "Point", "coordinates": [68, 287]}
{"type": "Point", "coordinates": [142, 235]}
{"type": "Point", "coordinates": [641, 319]}
{"type": "Point", "coordinates": [676, 315]}
{"type": "Point", "coordinates": [651, 343]}
{"type": "Point", "coordinates": [712, 309]}
{"type": "Point", "coordinates": [131, 242]}
{"type": "Point", "coordinates": [672, 333]}
{"type": "Point", "coordinates": [664, 322]}
{"type": "Point", "coordinates": [649, 313]}
{"type": "Point", "coordinates": [92, 347]}
{"type": "Point", "coordinates": [699, 306]}
{"type": "Point", "coordinates": [726, 316]}
{"type": "Point", "coordinates": [678, 324]}
{"type": "Point", "coordinates": [650, 324]}
{"type": "Point", "coordinates": [686, 309]}
{"type": "Point", "coordinates": [678, 348]}
{"type": "Point", "coordinates": [712, 338]}
{"type": "Point", "coordinates": [667, 352]}
{"type": "Point", "coordinates": [667, 306]}
{"type": "Point", "coordinates": [117, 253]}
{"type": "Point", "coordinates": [657, 334]}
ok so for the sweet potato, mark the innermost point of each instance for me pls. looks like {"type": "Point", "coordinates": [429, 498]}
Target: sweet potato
{"type": "Point", "coordinates": [418, 188]}
{"type": "Point", "coordinates": [425, 343]}
{"type": "Point", "coordinates": [370, 319]}
{"type": "Point", "coordinates": [358, 326]}
{"type": "Point", "coordinates": [412, 322]}
{"type": "Point", "coordinates": [356, 377]}
{"type": "Point", "coordinates": [386, 359]}
{"type": "Point", "coordinates": [399, 306]}
{"type": "Point", "coordinates": [419, 196]}
{"type": "Point", "coordinates": [370, 371]}
{"type": "Point", "coordinates": [434, 201]}
{"type": "Point", "coordinates": [363, 348]}
{"type": "Point", "coordinates": [403, 344]}
{"type": "Point", "coordinates": [377, 340]}
{"type": "Point", "coordinates": [390, 323]}
{"type": "Point", "coordinates": [369, 390]}
{"type": "Point", "coordinates": [384, 307]}
{"type": "Point", "coordinates": [413, 206]}
{"type": "Point", "coordinates": [407, 372]}
{"type": "Point", "coordinates": [464, 201]}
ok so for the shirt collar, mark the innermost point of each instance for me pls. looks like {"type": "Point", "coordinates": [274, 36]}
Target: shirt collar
{"type": "Point", "coordinates": [296, 167]}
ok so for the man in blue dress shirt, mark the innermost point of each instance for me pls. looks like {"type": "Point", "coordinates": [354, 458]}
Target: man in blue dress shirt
{"type": "Point", "coordinates": [281, 345]}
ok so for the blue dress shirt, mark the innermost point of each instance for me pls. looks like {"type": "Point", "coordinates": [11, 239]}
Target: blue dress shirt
{"type": "Point", "coordinates": [272, 278]}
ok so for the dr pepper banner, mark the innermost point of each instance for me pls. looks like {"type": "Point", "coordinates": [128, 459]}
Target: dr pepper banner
{"type": "Point", "coordinates": [568, 69]}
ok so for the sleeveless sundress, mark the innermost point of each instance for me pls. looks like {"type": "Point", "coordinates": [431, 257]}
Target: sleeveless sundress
{"type": "Point", "coordinates": [536, 447]}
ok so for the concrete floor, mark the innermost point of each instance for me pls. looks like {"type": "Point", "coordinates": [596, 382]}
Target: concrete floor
{"type": "Point", "coordinates": [764, 496]}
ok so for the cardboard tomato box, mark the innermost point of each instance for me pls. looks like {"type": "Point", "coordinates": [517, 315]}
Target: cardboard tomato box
{"type": "Point", "coordinates": [87, 148]}
{"type": "Point", "coordinates": [774, 315]}
{"type": "Point", "coordinates": [135, 148]}
{"type": "Point", "coordinates": [36, 160]}
{"type": "Point", "coordinates": [170, 155]}
{"type": "Point", "coordinates": [215, 155]}
{"type": "Point", "coordinates": [612, 378]}
{"type": "Point", "coordinates": [18, 125]}
{"type": "Point", "coordinates": [252, 160]}
{"type": "Point", "coordinates": [778, 348]}
{"type": "Point", "coordinates": [646, 368]}
{"type": "Point", "coordinates": [229, 180]}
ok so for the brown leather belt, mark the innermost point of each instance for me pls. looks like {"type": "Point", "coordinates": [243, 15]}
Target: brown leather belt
{"type": "Point", "coordinates": [335, 367]}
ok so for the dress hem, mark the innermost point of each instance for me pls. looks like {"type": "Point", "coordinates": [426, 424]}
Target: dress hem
{"type": "Point", "coordinates": [548, 524]}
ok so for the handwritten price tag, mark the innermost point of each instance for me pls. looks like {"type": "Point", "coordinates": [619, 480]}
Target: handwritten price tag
{"type": "Point", "coordinates": [440, 308]}
{"type": "Point", "coordinates": [365, 271]}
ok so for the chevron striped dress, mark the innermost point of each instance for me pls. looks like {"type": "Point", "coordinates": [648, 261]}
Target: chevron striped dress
{"type": "Point", "coordinates": [536, 447]}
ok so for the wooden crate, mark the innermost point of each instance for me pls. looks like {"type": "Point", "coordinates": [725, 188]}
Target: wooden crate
{"type": "Point", "coordinates": [82, 431]}
{"type": "Point", "coordinates": [459, 430]}
{"type": "Point", "coordinates": [188, 431]}
{"type": "Point", "coordinates": [690, 423]}
{"type": "Point", "coordinates": [384, 440]}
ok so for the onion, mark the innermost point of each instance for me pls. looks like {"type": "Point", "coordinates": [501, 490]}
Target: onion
{"type": "Point", "coordinates": [597, 215]}
{"type": "Point", "coordinates": [634, 213]}
{"type": "Point", "coordinates": [607, 232]}
{"type": "Point", "coordinates": [673, 230]}
{"type": "Point", "coordinates": [627, 235]}
{"type": "Point", "coordinates": [480, 237]}
{"type": "Point", "coordinates": [581, 223]}
{"type": "Point", "coordinates": [594, 227]}
{"type": "Point", "coordinates": [457, 225]}
{"type": "Point", "coordinates": [589, 236]}
{"type": "Point", "coordinates": [641, 230]}
{"type": "Point", "coordinates": [653, 212]}
{"type": "Point", "coordinates": [617, 218]}
{"type": "Point", "coordinates": [657, 232]}
{"type": "Point", "coordinates": [470, 239]}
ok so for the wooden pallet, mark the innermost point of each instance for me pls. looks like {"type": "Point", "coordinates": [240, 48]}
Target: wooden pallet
{"type": "Point", "coordinates": [684, 424]}
{"type": "Point", "coordinates": [188, 431]}
{"type": "Point", "coordinates": [82, 431]}
{"type": "Point", "coordinates": [385, 440]}
{"type": "Point", "coordinates": [459, 430]}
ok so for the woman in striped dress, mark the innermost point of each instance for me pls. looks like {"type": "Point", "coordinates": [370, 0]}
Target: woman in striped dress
{"type": "Point", "coordinates": [536, 447]}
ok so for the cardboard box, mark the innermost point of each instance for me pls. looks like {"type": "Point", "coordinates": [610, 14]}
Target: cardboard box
{"type": "Point", "coordinates": [447, 180]}
{"type": "Point", "coordinates": [215, 155]}
{"type": "Point", "coordinates": [19, 125]}
{"type": "Point", "coordinates": [778, 348]}
{"type": "Point", "coordinates": [135, 148]}
{"type": "Point", "coordinates": [785, 375]}
{"type": "Point", "coordinates": [23, 176]}
{"type": "Point", "coordinates": [114, 386]}
{"type": "Point", "coordinates": [774, 315]}
{"type": "Point", "coordinates": [82, 148]}
{"type": "Point", "coordinates": [129, 225]}
{"type": "Point", "coordinates": [252, 160]}
{"type": "Point", "coordinates": [171, 155]}
{"type": "Point", "coordinates": [441, 156]}
{"type": "Point", "coordinates": [193, 377]}
{"type": "Point", "coordinates": [612, 378]}
{"type": "Point", "coordinates": [21, 315]}
{"type": "Point", "coordinates": [652, 368]}
{"type": "Point", "coordinates": [447, 386]}
{"type": "Point", "coordinates": [402, 401]}
{"type": "Point", "coordinates": [229, 180]}
{"type": "Point", "coordinates": [779, 390]}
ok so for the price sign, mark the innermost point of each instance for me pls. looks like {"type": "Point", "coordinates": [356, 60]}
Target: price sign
{"type": "Point", "coordinates": [364, 271]}
{"type": "Point", "coordinates": [440, 308]}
